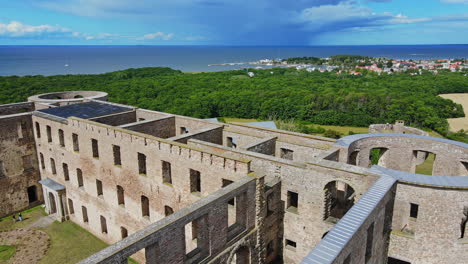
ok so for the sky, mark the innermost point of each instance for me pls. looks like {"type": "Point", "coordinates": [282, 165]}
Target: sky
{"type": "Point", "coordinates": [233, 22]}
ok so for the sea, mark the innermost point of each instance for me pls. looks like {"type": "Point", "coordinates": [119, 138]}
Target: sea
{"type": "Point", "coordinates": [58, 60]}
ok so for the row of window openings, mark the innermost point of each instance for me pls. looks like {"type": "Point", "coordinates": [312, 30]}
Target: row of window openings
{"type": "Point", "coordinates": [195, 179]}
{"type": "Point", "coordinates": [84, 212]}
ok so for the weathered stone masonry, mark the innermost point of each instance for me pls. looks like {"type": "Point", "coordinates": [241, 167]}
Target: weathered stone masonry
{"type": "Point", "coordinates": [173, 189]}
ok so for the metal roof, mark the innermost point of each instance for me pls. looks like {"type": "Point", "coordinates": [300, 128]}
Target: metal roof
{"type": "Point", "coordinates": [333, 243]}
{"type": "Point", "coordinates": [264, 124]}
{"type": "Point", "coordinates": [437, 181]}
{"type": "Point", "coordinates": [85, 110]}
{"type": "Point", "coordinates": [346, 141]}
{"type": "Point", "coordinates": [51, 184]}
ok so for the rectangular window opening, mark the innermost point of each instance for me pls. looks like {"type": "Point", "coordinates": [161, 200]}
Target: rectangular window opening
{"type": "Point", "coordinates": [117, 157]}
{"type": "Point", "coordinates": [291, 245]}
{"type": "Point", "coordinates": [286, 154]}
{"type": "Point", "coordinates": [49, 134]}
{"type": "Point", "coordinates": [71, 209]}
{"type": "Point", "coordinates": [103, 225]}
{"type": "Point", "coordinates": [84, 212]}
{"type": "Point", "coordinates": [195, 181]}
{"type": "Point", "coordinates": [76, 145]}
{"type": "Point", "coordinates": [41, 156]}
{"type": "Point", "coordinates": [414, 208]}
{"type": "Point", "coordinates": [224, 184]}
{"type": "Point", "coordinates": [141, 163]}
{"type": "Point", "coordinates": [166, 172]}
{"type": "Point", "coordinates": [99, 187]}
{"type": "Point", "coordinates": [38, 130]}
{"type": "Point", "coordinates": [120, 195]}
{"type": "Point", "coordinates": [66, 174]}
{"type": "Point", "coordinates": [95, 147]}
{"type": "Point", "coordinates": [52, 166]}
{"type": "Point", "coordinates": [369, 242]}
{"type": "Point", "coordinates": [61, 138]}
{"type": "Point", "coordinates": [145, 208]}
{"type": "Point", "coordinates": [123, 232]}
{"type": "Point", "coordinates": [293, 201]}
{"type": "Point", "coordinates": [79, 177]}
{"type": "Point", "coordinates": [191, 235]}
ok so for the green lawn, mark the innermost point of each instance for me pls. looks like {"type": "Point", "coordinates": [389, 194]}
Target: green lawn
{"type": "Point", "coordinates": [344, 130]}
{"type": "Point", "coordinates": [426, 166]}
{"type": "Point", "coordinates": [6, 252]}
{"type": "Point", "coordinates": [70, 243]}
{"type": "Point", "coordinates": [30, 216]}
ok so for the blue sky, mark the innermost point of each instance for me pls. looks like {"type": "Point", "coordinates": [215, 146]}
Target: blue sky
{"type": "Point", "coordinates": [233, 22]}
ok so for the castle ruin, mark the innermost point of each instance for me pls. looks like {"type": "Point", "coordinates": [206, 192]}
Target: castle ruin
{"type": "Point", "coordinates": [163, 188]}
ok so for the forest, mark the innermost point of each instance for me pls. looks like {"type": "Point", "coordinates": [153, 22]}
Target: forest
{"type": "Point", "coordinates": [320, 98]}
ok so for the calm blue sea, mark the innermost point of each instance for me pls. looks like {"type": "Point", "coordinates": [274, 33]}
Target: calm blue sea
{"type": "Point", "coordinates": [53, 60]}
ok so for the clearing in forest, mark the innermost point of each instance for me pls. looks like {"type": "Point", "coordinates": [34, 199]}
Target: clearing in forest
{"type": "Point", "coordinates": [458, 123]}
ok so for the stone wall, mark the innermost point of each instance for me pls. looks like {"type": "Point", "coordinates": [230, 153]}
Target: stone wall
{"type": "Point", "coordinates": [19, 168]}
{"type": "Point", "coordinates": [176, 194]}
{"type": "Point", "coordinates": [163, 127]}
{"type": "Point", "coordinates": [308, 181]}
{"type": "Point", "coordinates": [434, 235]}
{"type": "Point", "coordinates": [17, 108]}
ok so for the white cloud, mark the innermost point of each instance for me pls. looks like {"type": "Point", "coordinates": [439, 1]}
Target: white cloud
{"type": "Point", "coordinates": [157, 35]}
{"type": "Point", "coordinates": [455, 1]}
{"type": "Point", "coordinates": [18, 29]}
{"type": "Point", "coordinates": [348, 15]}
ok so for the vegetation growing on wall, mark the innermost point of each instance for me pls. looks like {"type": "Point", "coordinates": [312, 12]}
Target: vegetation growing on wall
{"type": "Point", "coordinates": [320, 98]}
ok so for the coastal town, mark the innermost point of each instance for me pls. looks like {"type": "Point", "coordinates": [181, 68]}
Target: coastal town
{"type": "Point", "coordinates": [357, 65]}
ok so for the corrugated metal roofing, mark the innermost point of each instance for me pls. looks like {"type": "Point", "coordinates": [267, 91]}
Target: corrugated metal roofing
{"type": "Point", "coordinates": [331, 245]}
{"type": "Point", "coordinates": [437, 181]}
{"type": "Point", "coordinates": [85, 110]}
{"type": "Point", "coordinates": [51, 184]}
{"type": "Point", "coordinates": [346, 141]}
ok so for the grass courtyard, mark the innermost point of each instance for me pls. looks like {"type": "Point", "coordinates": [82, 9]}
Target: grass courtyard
{"type": "Point", "coordinates": [69, 243]}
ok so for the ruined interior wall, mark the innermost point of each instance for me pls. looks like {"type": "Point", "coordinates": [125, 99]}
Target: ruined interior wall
{"type": "Point", "coordinates": [355, 248]}
{"type": "Point", "coordinates": [117, 119]}
{"type": "Point", "coordinates": [242, 140]}
{"type": "Point", "coordinates": [192, 124]}
{"type": "Point", "coordinates": [302, 153]}
{"type": "Point", "coordinates": [212, 135]}
{"type": "Point", "coordinates": [400, 154]}
{"type": "Point", "coordinates": [163, 128]}
{"type": "Point", "coordinates": [177, 195]}
{"type": "Point", "coordinates": [17, 108]}
{"type": "Point", "coordinates": [150, 115]}
{"type": "Point", "coordinates": [16, 179]}
{"type": "Point", "coordinates": [284, 136]}
{"type": "Point", "coordinates": [265, 146]}
{"type": "Point", "coordinates": [305, 226]}
{"type": "Point", "coordinates": [436, 228]}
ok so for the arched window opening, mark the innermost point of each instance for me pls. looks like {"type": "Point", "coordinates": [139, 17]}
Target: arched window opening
{"type": "Point", "coordinates": [377, 156]}
{"type": "Point", "coordinates": [52, 204]}
{"type": "Point", "coordinates": [339, 198]}
{"type": "Point", "coordinates": [353, 157]}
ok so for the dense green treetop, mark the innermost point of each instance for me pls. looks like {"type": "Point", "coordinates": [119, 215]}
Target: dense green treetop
{"type": "Point", "coordinates": [321, 98]}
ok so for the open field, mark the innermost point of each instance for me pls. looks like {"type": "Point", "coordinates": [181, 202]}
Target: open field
{"type": "Point", "coordinates": [458, 123]}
